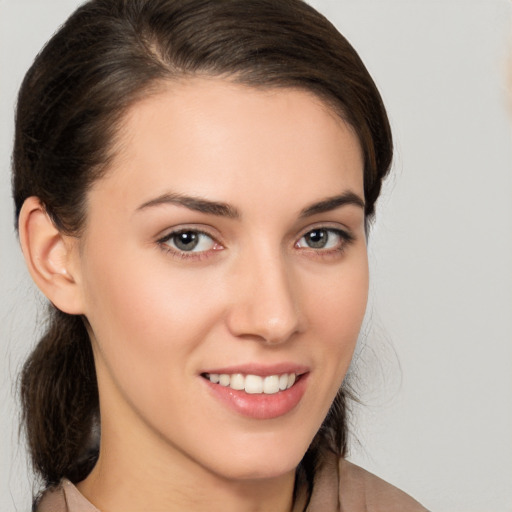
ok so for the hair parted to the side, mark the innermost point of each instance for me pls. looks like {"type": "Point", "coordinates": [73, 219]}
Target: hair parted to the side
{"type": "Point", "coordinates": [107, 56]}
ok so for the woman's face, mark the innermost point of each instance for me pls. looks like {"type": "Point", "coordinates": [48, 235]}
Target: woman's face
{"type": "Point", "coordinates": [226, 243]}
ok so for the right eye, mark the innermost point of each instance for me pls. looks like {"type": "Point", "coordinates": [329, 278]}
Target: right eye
{"type": "Point", "coordinates": [189, 241]}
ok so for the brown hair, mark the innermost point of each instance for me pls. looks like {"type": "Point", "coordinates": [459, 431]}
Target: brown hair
{"type": "Point", "coordinates": [108, 55]}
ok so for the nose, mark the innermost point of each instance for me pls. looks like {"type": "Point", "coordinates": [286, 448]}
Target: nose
{"type": "Point", "coordinates": [266, 305]}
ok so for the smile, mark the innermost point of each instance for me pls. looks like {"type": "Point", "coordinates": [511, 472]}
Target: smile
{"type": "Point", "coordinates": [253, 384]}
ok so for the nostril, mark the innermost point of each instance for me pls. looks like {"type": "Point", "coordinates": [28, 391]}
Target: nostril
{"type": "Point", "coordinates": [266, 306]}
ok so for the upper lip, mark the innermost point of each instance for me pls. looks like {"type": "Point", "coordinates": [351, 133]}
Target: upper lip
{"type": "Point", "coordinates": [260, 369]}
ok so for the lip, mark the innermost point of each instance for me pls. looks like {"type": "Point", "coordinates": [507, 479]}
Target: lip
{"type": "Point", "coordinates": [260, 406]}
{"type": "Point", "coordinates": [262, 370]}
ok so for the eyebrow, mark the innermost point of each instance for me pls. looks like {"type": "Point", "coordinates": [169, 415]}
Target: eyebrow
{"type": "Point", "coordinates": [225, 210]}
{"type": "Point", "coordinates": [193, 203]}
{"type": "Point", "coordinates": [331, 203]}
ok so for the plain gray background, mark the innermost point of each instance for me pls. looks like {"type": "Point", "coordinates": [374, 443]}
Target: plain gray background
{"type": "Point", "coordinates": [436, 370]}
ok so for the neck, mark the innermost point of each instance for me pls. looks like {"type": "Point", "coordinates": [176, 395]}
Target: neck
{"type": "Point", "coordinates": [147, 486]}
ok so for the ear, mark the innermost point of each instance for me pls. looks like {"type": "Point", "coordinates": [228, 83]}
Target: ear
{"type": "Point", "coordinates": [51, 257]}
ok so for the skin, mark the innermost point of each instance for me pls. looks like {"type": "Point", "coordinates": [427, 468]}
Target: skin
{"type": "Point", "coordinates": [255, 292]}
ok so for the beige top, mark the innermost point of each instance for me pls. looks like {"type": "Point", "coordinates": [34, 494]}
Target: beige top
{"type": "Point", "coordinates": [342, 487]}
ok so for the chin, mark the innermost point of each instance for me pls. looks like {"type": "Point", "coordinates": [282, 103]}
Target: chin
{"type": "Point", "coordinates": [260, 461]}
{"type": "Point", "coordinates": [247, 473]}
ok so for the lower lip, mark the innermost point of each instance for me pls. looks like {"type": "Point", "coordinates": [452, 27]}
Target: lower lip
{"type": "Point", "coordinates": [260, 406]}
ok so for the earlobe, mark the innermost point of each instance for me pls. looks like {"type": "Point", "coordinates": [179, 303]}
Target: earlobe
{"type": "Point", "coordinates": [50, 257]}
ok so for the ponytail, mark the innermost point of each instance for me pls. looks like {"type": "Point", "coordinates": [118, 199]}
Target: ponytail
{"type": "Point", "coordinates": [59, 397]}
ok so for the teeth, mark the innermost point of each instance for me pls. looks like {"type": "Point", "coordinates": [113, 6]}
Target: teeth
{"type": "Point", "coordinates": [224, 380]}
{"type": "Point", "coordinates": [237, 381]}
{"type": "Point", "coordinates": [271, 384]}
{"type": "Point", "coordinates": [254, 384]}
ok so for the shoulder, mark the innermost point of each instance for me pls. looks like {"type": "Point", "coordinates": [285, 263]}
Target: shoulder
{"type": "Point", "coordinates": [64, 498]}
{"type": "Point", "coordinates": [362, 490]}
{"type": "Point", "coordinates": [344, 487]}
{"type": "Point", "coordinates": [52, 500]}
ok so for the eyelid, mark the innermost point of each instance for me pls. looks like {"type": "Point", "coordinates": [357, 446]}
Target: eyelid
{"type": "Point", "coordinates": [167, 234]}
{"type": "Point", "coordinates": [346, 235]}
{"type": "Point", "coordinates": [328, 226]}
{"type": "Point", "coordinates": [346, 239]}
{"type": "Point", "coordinates": [197, 228]}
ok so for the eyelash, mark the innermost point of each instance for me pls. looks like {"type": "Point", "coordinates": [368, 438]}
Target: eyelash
{"type": "Point", "coordinates": [345, 237]}
{"type": "Point", "coordinates": [345, 240]}
{"type": "Point", "coordinates": [187, 255]}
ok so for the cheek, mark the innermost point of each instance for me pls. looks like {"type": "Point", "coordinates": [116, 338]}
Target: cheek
{"type": "Point", "coordinates": [148, 323]}
{"type": "Point", "coordinates": [336, 313]}
{"type": "Point", "coordinates": [340, 303]}
{"type": "Point", "coordinates": [146, 313]}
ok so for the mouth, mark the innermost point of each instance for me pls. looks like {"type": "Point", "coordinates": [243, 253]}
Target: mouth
{"type": "Point", "coordinates": [254, 384]}
{"type": "Point", "coordinates": [258, 391]}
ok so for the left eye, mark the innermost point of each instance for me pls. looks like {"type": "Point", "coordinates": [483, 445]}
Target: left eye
{"type": "Point", "coordinates": [189, 241]}
{"type": "Point", "coordinates": [321, 238]}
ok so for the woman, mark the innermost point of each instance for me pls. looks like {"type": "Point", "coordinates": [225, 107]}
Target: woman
{"type": "Point", "coordinates": [193, 184]}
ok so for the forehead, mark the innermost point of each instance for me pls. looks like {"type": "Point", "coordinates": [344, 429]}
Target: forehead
{"type": "Point", "coordinates": [211, 136]}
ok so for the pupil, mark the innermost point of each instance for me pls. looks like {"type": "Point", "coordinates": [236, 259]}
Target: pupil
{"type": "Point", "coordinates": [317, 239]}
{"type": "Point", "coordinates": [186, 241]}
